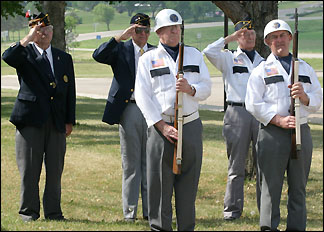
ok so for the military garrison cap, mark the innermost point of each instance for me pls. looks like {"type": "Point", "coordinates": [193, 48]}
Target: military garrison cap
{"type": "Point", "coordinates": [39, 19]}
{"type": "Point", "coordinates": [140, 19]}
{"type": "Point", "coordinates": [245, 23]}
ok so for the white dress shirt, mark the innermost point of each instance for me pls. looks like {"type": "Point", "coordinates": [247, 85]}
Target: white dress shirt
{"type": "Point", "coordinates": [48, 54]}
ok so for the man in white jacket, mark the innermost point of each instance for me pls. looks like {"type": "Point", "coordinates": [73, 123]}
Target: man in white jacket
{"type": "Point", "coordinates": [155, 93]}
{"type": "Point", "coordinates": [268, 98]}
{"type": "Point", "coordinates": [240, 127]}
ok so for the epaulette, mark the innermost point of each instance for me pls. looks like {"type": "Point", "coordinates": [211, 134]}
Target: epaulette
{"type": "Point", "coordinates": [191, 47]}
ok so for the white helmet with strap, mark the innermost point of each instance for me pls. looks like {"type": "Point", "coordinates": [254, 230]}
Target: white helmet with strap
{"type": "Point", "coordinates": [276, 25]}
{"type": "Point", "coordinates": [167, 17]}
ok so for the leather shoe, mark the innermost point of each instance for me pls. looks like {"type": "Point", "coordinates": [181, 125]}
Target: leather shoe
{"type": "Point", "coordinates": [229, 218]}
{"type": "Point", "coordinates": [129, 219]}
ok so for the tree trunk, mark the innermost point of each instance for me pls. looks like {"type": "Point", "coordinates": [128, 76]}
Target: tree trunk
{"type": "Point", "coordinates": [56, 12]}
{"type": "Point", "coordinates": [261, 12]}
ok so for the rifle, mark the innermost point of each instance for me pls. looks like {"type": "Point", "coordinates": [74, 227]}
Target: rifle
{"type": "Point", "coordinates": [295, 104]}
{"type": "Point", "coordinates": [178, 114]}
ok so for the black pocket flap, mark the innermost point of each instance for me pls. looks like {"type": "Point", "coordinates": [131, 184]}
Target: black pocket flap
{"type": "Point", "coordinates": [160, 71]}
{"type": "Point", "coordinates": [26, 97]}
{"type": "Point", "coordinates": [240, 69]}
{"type": "Point", "coordinates": [305, 79]}
{"type": "Point", "coordinates": [191, 68]}
{"type": "Point", "coordinates": [273, 79]}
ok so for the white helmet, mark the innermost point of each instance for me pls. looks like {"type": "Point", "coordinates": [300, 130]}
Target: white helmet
{"type": "Point", "coordinates": [167, 17]}
{"type": "Point", "coordinates": [276, 25]}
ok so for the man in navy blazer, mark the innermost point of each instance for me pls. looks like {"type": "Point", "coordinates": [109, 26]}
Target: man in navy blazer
{"type": "Point", "coordinates": [121, 109]}
{"type": "Point", "coordinates": [43, 113]}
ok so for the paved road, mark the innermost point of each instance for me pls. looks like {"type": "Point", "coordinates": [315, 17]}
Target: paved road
{"type": "Point", "coordinates": [98, 88]}
{"type": "Point", "coordinates": [105, 34]}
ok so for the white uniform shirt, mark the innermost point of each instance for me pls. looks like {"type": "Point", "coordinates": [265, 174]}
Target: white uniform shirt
{"type": "Point", "coordinates": [155, 90]}
{"type": "Point", "coordinates": [268, 93]}
{"type": "Point", "coordinates": [236, 68]}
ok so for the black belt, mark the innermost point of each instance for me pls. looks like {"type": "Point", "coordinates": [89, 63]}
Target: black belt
{"type": "Point", "coordinates": [132, 101]}
{"type": "Point", "coordinates": [236, 103]}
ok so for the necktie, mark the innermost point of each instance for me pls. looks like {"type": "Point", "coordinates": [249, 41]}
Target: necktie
{"type": "Point", "coordinates": [142, 51]}
{"type": "Point", "coordinates": [49, 69]}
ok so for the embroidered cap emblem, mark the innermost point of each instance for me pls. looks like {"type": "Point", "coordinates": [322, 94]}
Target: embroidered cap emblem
{"type": "Point", "coordinates": [174, 18]}
{"type": "Point", "coordinates": [276, 25]}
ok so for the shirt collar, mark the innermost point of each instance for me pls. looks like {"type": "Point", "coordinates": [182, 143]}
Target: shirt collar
{"type": "Point", "coordinates": [48, 50]}
{"type": "Point", "coordinates": [137, 48]}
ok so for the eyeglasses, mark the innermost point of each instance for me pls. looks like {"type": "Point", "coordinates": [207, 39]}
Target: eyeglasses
{"type": "Point", "coordinates": [139, 30]}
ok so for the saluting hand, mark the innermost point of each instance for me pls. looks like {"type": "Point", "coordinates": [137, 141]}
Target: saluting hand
{"type": "Point", "coordinates": [33, 33]}
{"type": "Point", "coordinates": [235, 36]}
{"type": "Point", "coordinates": [130, 31]}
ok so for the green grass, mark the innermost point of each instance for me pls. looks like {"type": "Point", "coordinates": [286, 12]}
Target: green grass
{"type": "Point", "coordinates": [91, 182]}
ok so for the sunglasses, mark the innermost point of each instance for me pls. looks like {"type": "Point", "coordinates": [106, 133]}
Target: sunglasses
{"type": "Point", "coordinates": [139, 30]}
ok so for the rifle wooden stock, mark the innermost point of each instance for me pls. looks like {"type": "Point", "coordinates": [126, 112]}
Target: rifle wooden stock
{"type": "Point", "coordinates": [178, 113]}
{"type": "Point", "coordinates": [295, 104]}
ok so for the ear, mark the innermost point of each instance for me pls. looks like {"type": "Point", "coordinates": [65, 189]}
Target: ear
{"type": "Point", "coordinates": [267, 42]}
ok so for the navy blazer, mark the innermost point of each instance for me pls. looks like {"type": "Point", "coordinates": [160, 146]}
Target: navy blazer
{"type": "Point", "coordinates": [120, 56]}
{"type": "Point", "coordinates": [37, 98]}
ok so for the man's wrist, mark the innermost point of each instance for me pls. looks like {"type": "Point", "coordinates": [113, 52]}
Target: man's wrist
{"type": "Point", "coordinates": [193, 90]}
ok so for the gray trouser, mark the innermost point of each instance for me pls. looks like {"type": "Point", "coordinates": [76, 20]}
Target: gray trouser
{"type": "Point", "coordinates": [240, 128]}
{"type": "Point", "coordinates": [273, 147]}
{"type": "Point", "coordinates": [133, 138]}
{"type": "Point", "coordinates": [33, 145]}
{"type": "Point", "coordinates": [162, 181]}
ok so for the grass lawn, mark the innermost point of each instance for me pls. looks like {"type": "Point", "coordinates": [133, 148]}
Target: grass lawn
{"type": "Point", "coordinates": [91, 182]}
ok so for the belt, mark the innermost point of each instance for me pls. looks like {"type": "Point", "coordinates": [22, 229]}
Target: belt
{"type": "Point", "coordinates": [236, 103]}
{"type": "Point", "coordinates": [186, 118]}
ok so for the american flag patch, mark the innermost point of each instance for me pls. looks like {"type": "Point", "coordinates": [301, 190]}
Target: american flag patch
{"type": "Point", "coordinates": [238, 61]}
{"type": "Point", "coordinates": [157, 63]}
{"type": "Point", "coordinates": [271, 71]}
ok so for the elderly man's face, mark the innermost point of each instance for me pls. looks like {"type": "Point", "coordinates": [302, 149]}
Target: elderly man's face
{"type": "Point", "coordinates": [247, 40]}
{"type": "Point", "coordinates": [44, 36]}
{"type": "Point", "coordinates": [141, 35]}
{"type": "Point", "coordinates": [169, 35]}
{"type": "Point", "coordinates": [279, 42]}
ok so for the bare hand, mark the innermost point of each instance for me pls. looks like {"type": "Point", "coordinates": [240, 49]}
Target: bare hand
{"type": "Point", "coordinates": [169, 132]}
{"type": "Point", "coordinates": [287, 122]}
{"type": "Point", "coordinates": [68, 129]}
{"type": "Point", "coordinates": [183, 86]}
{"type": "Point", "coordinates": [297, 91]}
{"type": "Point", "coordinates": [33, 33]}
{"type": "Point", "coordinates": [129, 32]}
{"type": "Point", "coordinates": [235, 36]}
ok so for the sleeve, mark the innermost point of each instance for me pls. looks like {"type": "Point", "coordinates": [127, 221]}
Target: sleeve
{"type": "Point", "coordinates": [15, 55]}
{"type": "Point", "coordinates": [203, 87]}
{"type": "Point", "coordinates": [106, 53]}
{"type": "Point", "coordinates": [71, 95]}
{"type": "Point", "coordinates": [144, 96]}
{"type": "Point", "coordinates": [216, 56]}
{"type": "Point", "coordinates": [315, 93]}
{"type": "Point", "coordinates": [254, 101]}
